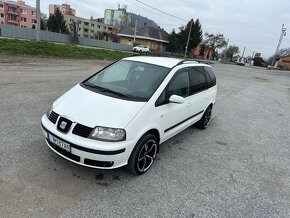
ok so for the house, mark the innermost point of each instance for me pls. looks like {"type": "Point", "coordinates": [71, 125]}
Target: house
{"type": "Point", "coordinates": [89, 28]}
{"type": "Point", "coordinates": [283, 62]}
{"type": "Point", "coordinates": [154, 38]}
{"type": "Point", "coordinates": [63, 8]}
{"type": "Point", "coordinates": [207, 54]}
{"type": "Point", "coordinates": [118, 18]}
{"type": "Point", "coordinates": [17, 14]}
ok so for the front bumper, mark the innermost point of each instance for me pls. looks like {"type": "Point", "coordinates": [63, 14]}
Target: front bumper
{"type": "Point", "coordinates": [88, 152]}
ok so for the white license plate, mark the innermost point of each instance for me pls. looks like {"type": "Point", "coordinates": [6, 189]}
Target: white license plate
{"type": "Point", "coordinates": [59, 143]}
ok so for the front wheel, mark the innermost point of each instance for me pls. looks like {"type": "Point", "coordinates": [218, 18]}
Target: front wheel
{"type": "Point", "coordinates": [204, 121]}
{"type": "Point", "coordinates": [143, 155]}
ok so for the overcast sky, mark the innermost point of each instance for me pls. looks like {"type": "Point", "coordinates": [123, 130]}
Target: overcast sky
{"type": "Point", "coordinates": [255, 24]}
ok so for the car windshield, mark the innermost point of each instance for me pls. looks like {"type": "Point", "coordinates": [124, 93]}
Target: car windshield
{"type": "Point", "coordinates": [129, 80]}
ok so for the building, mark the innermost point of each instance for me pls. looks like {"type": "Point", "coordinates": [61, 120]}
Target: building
{"type": "Point", "coordinates": [154, 38]}
{"type": "Point", "coordinates": [90, 28]}
{"type": "Point", "coordinates": [17, 13]}
{"type": "Point", "coordinates": [283, 63]}
{"type": "Point", "coordinates": [118, 18]}
{"type": "Point", "coordinates": [65, 9]}
{"type": "Point", "coordinates": [207, 53]}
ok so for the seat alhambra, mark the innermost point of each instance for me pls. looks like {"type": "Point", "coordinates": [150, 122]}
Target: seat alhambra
{"type": "Point", "coordinates": [121, 114]}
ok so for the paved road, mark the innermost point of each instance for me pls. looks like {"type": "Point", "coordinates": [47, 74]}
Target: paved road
{"type": "Point", "coordinates": [238, 167]}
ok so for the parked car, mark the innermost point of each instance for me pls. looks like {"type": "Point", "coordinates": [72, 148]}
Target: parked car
{"type": "Point", "coordinates": [141, 49]}
{"type": "Point", "coordinates": [120, 115]}
{"type": "Point", "coordinates": [241, 61]}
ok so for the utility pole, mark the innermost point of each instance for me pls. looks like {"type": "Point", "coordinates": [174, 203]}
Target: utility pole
{"type": "Point", "coordinates": [38, 20]}
{"type": "Point", "coordinates": [243, 52]}
{"type": "Point", "coordinates": [283, 33]}
{"type": "Point", "coordinates": [253, 55]}
{"type": "Point", "coordinates": [135, 31]}
{"type": "Point", "coordinates": [185, 53]}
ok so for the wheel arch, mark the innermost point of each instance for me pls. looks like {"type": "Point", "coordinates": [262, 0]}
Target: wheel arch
{"type": "Point", "coordinates": [154, 132]}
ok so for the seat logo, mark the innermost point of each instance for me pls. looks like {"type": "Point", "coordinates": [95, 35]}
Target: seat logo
{"type": "Point", "coordinates": [63, 125]}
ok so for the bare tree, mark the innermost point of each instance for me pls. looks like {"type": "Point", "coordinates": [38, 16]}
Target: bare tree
{"type": "Point", "coordinates": [215, 41]}
{"type": "Point", "coordinates": [229, 53]}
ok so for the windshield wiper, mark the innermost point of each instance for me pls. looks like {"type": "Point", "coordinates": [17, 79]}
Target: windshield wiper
{"type": "Point", "coordinates": [94, 86]}
{"type": "Point", "coordinates": [105, 90]}
{"type": "Point", "coordinates": [115, 93]}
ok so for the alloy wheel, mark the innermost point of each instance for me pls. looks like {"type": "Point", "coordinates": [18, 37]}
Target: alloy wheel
{"type": "Point", "coordinates": [207, 117]}
{"type": "Point", "coordinates": [146, 155]}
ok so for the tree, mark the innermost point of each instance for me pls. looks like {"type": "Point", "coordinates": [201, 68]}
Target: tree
{"type": "Point", "coordinates": [258, 61]}
{"type": "Point", "coordinates": [56, 23]}
{"type": "Point", "coordinates": [177, 42]}
{"type": "Point", "coordinates": [229, 53]}
{"type": "Point", "coordinates": [202, 50]}
{"type": "Point", "coordinates": [215, 41]}
{"type": "Point", "coordinates": [43, 21]}
{"type": "Point", "coordinates": [172, 42]}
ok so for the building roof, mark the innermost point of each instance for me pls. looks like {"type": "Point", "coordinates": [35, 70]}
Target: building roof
{"type": "Point", "coordinates": [18, 3]}
{"type": "Point", "coordinates": [151, 33]}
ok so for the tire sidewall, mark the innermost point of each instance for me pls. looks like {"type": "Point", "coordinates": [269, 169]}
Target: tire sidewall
{"type": "Point", "coordinates": [133, 160]}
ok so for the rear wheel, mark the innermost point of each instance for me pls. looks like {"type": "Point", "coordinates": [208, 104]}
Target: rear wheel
{"type": "Point", "coordinates": [205, 120]}
{"type": "Point", "coordinates": [143, 155]}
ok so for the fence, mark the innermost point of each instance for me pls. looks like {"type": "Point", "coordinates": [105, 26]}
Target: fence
{"type": "Point", "coordinates": [11, 31]}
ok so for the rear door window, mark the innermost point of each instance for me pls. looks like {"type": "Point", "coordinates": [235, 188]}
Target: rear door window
{"type": "Point", "coordinates": [198, 80]}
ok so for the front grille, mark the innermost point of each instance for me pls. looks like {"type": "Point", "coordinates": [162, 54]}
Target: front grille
{"type": "Point", "coordinates": [53, 117]}
{"type": "Point", "coordinates": [63, 152]}
{"type": "Point", "coordinates": [98, 163]}
{"type": "Point", "coordinates": [81, 130]}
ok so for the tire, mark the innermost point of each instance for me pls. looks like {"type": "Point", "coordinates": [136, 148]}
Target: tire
{"type": "Point", "coordinates": [143, 155]}
{"type": "Point", "coordinates": [205, 120]}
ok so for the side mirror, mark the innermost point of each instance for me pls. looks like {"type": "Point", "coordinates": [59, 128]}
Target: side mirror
{"type": "Point", "coordinates": [176, 99]}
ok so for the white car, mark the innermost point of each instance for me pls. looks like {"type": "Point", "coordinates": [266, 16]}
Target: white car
{"type": "Point", "coordinates": [141, 49]}
{"type": "Point", "coordinates": [120, 115]}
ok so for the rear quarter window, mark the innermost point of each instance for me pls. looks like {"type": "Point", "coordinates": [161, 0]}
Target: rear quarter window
{"type": "Point", "coordinates": [210, 76]}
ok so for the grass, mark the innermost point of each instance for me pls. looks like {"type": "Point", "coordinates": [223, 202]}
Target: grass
{"type": "Point", "coordinates": [43, 48]}
{"type": "Point", "coordinates": [228, 62]}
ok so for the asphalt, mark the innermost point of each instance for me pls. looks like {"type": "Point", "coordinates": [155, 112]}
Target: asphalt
{"type": "Point", "coordinates": [238, 167]}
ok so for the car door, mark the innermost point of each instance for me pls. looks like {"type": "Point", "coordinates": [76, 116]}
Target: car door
{"type": "Point", "coordinates": [198, 91]}
{"type": "Point", "coordinates": [175, 114]}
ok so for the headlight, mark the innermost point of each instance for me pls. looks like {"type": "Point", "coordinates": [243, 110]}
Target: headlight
{"type": "Point", "coordinates": [108, 134]}
{"type": "Point", "coordinates": [49, 111]}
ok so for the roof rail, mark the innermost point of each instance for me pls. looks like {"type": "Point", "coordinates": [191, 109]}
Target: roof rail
{"type": "Point", "coordinates": [151, 55]}
{"type": "Point", "coordinates": [188, 60]}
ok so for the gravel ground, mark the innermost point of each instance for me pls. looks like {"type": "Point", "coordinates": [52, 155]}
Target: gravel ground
{"type": "Point", "coordinates": [238, 167]}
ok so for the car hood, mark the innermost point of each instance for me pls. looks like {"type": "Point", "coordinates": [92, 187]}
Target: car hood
{"type": "Point", "coordinates": [93, 109]}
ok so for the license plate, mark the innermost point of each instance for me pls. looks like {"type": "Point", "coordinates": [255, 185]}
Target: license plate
{"type": "Point", "coordinates": [65, 146]}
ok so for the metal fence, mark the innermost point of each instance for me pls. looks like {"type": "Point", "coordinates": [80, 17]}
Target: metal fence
{"type": "Point", "coordinates": [11, 31]}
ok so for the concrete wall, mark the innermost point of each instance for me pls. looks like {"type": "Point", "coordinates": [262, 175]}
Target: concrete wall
{"type": "Point", "coordinates": [10, 31]}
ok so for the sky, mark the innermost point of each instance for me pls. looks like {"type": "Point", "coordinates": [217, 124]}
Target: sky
{"type": "Point", "coordinates": [254, 24]}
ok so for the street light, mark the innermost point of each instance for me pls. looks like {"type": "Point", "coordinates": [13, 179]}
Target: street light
{"type": "Point", "coordinates": [283, 33]}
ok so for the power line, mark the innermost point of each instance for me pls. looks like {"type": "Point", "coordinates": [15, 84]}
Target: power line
{"type": "Point", "coordinates": [151, 12]}
{"type": "Point", "coordinates": [160, 11]}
